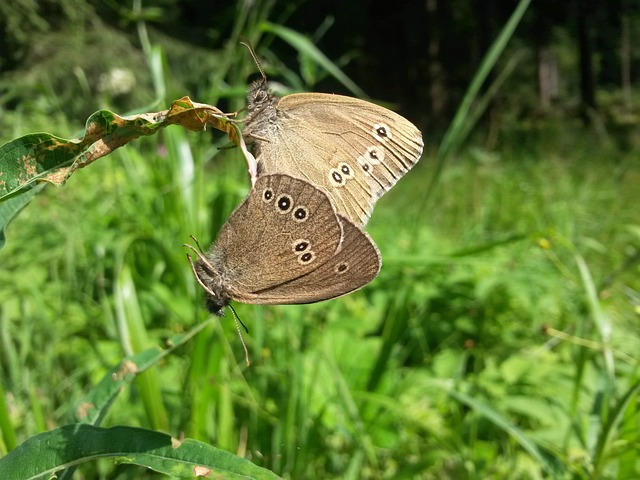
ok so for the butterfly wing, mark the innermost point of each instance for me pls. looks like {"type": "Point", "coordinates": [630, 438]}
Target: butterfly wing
{"type": "Point", "coordinates": [353, 149]}
{"type": "Point", "coordinates": [355, 264]}
{"type": "Point", "coordinates": [284, 229]}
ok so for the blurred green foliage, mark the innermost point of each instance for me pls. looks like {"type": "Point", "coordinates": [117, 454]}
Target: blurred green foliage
{"type": "Point", "coordinates": [500, 339]}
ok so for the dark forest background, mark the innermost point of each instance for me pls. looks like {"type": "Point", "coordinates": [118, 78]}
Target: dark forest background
{"type": "Point", "coordinates": [501, 337]}
{"type": "Point", "coordinates": [420, 55]}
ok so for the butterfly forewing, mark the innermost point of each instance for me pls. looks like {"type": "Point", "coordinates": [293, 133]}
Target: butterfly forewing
{"type": "Point", "coordinates": [307, 158]}
{"type": "Point", "coordinates": [352, 149]}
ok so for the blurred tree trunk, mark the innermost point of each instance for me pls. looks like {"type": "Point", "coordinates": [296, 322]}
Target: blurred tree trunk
{"type": "Point", "coordinates": [488, 28]}
{"type": "Point", "coordinates": [587, 83]}
{"type": "Point", "coordinates": [546, 16]}
{"type": "Point", "coordinates": [547, 78]}
{"type": "Point", "coordinates": [625, 61]}
{"type": "Point", "coordinates": [438, 93]}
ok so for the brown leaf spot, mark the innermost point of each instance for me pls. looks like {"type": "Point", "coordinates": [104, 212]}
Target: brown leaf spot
{"type": "Point", "coordinates": [126, 368]}
{"type": "Point", "coordinates": [201, 471]}
{"type": "Point", "coordinates": [83, 409]}
{"type": "Point", "coordinates": [57, 177]}
{"type": "Point", "coordinates": [30, 165]}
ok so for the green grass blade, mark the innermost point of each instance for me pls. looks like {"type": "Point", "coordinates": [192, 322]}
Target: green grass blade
{"type": "Point", "coordinates": [131, 321]}
{"type": "Point", "coordinates": [452, 138]}
{"type": "Point", "coordinates": [610, 428]}
{"type": "Point", "coordinates": [94, 406]}
{"type": "Point", "coordinates": [305, 46]}
{"type": "Point", "coordinates": [503, 423]}
{"type": "Point", "coordinates": [602, 322]}
{"type": "Point", "coordinates": [6, 427]}
{"type": "Point", "coordinates": [464, 119]}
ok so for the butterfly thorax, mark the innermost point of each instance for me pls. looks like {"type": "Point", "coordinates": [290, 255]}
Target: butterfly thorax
{"type": "Point", "coordinates": [261, 120]}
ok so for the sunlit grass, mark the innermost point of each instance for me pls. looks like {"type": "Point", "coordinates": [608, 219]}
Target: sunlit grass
{"type": "Point", "coordinates": [444, 366]}
{"type": "Point", "coordinates": [371, 383]}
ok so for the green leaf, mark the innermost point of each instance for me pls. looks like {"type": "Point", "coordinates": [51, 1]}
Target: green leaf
{"type": "Point", "coordinates": [29, 161]}
{"type": "Point", "coordinates": [43, 157]}
{"type": "Point", "coordinates": [52, 451]}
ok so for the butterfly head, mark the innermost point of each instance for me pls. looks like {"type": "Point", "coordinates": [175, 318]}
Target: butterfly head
{"type": "Point", "coordinates": [260, 102]}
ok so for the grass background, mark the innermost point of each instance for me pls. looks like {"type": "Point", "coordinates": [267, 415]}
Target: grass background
{"type": "Point", "coordinates": [500, 339]}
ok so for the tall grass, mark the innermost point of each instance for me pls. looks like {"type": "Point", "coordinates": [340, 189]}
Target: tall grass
{"type": "Point", "coordinates": [499, 341]}
{"type": "Point", "coordinates": [440, 366]}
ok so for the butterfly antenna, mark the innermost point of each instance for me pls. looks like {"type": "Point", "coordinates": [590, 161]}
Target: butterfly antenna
{"type": "Point", "coordinates": [204, 260]}
{"type": "Point", "coordinates": [195, 240]}
{"type": "Point", "coordinates": [255, 59]}
{"type": "Point", "coordinates": [238, 322]}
